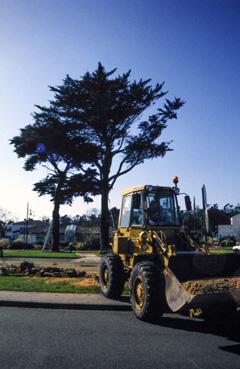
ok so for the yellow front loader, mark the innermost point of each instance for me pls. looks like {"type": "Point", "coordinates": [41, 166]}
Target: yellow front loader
{"type": "Point", "coordinates": [166, 269]}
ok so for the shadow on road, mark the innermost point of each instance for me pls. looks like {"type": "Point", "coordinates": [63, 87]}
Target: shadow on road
{"type": "Point", "coordinates": [225, 327]}
{"type": "Point", "coordinates": [228, 327]}
{"type": "Point", "coordinates": [233, 349]}
{"type": "Point", "coordinates": [124, 298]}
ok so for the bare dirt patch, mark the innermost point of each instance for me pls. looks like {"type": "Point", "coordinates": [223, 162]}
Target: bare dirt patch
{"type": "Point", "coordinates": [216, 285]}
{"type": "Point", "coordinates": [87, 281]}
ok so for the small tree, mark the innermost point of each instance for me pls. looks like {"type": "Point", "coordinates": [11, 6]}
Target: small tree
{"type": "Point", "coordinates": [107, 111]}
{"type": "Point", "coordinates": [6, 217]}
{"type": "Point", "coordinates": [46, 143]}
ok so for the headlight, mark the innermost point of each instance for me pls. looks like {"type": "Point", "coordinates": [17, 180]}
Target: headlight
{"type": "Point", "coordinates": [143, 240]}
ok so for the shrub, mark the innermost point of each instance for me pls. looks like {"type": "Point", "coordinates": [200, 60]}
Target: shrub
{"type": "Point", "coordinates": [71, 247]}
{"type": "Point", "coordinates": [63, 244]}
{"type": "Point", "coordinates": [228, 241]}
{"type": "Point", "coordinates": [20, 245]}
{"type": "Point", "coordinates": [4, 243]}
{"type": "Point", "coordinates": [90, 243]}
{"type": "Point", "coordinates": [38, 247]}
{"type": "Point", "coordinates": [79, 246]}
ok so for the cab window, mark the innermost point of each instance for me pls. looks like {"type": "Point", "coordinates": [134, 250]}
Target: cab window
{"type": "Point", "coordinates": [126, 211]}
{"type": "Point", "coordinates": [162, 208]}
{"type": "Point", "coordinates": [137, 209]}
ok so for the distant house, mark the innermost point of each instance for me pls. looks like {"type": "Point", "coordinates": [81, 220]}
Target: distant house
{"type": "Point", "coordinates": [35, 229]}
{"type": "Point", "coordinates": [232, 230]}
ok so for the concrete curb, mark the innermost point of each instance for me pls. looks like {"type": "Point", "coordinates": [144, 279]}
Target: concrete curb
{"type": "Point", "coordinates": [39, 305]}
{"type": "Point", "coordinates": [63, 301]}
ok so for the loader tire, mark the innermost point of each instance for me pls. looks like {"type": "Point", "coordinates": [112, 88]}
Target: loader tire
{"type": "Point", "coordinates": [111, 276]}
{"type": "Point", "coordinates": [147, 291]}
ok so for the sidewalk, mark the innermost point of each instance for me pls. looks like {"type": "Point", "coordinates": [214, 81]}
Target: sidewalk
{"type": "Point", "coordinates": [63, 301]}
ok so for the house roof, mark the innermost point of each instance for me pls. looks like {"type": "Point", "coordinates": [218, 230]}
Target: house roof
{"type": "Point", "coordinates": [30, 223]}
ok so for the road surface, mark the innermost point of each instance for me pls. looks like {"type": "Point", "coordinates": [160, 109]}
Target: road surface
{"type": "Point", "coordinates": [58, 338]}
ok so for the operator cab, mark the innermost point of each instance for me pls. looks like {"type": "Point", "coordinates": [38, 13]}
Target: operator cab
{"type": "Point", "coordinates": [149, 206]}
{"type": "Point", "coordinates": [152, 207]}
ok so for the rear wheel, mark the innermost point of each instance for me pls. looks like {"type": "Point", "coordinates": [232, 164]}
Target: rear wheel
{"type": "Point", "coordinates": [111, 276]}
{"type": "Point", "coordinates": [147, 291]}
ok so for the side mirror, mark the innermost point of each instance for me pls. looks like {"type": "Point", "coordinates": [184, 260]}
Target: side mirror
{"type": "Point", "coordinates": [188, 203]}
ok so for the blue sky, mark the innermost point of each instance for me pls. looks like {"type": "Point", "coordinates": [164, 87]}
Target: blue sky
{"type": "Point", "coordinates": [194, 46]}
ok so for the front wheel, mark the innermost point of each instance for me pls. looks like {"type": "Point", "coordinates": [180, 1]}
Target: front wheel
{"type": "Point", "coordinates": [111, 276]}
{"type": "Point", "coordinates": [147, 292]}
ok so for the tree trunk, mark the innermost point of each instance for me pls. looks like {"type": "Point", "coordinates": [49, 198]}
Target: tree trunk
{"type": "Point", "coordinates": [104, 244]}
{"type": "Point", "coordinates": [56, 225]}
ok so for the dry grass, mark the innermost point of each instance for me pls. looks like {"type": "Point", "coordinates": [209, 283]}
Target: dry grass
{"type": "Point", "coordinates": [88, 281]}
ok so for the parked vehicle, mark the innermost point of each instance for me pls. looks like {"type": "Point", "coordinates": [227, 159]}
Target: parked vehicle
{"type": "Point", "coordinates": [236, 249]}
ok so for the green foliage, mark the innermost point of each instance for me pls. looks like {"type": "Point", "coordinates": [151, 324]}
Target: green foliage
{"type": "Point", "coordinates": [20, 245]}
{"type": "Point", "coordinates": [191, 220]}
{"type": "Point", "coordinates": [106, 109]}
{"type": "Point", "coordinates": [47, 143]}
{"type": "Point", "coordinates": [92, 243]}
{"type": "Point", "coordinates": [194, 223]}
{"type": "Point", "coordinates": [4, 243]}
{"type": "Point", "coordinates": [107, 112]}
{"type": "Point", "coordinates": [91, 219]}
{"type": "Point", "coordinates": [231, 209]}
{"type": "Point", "coordinates": [88, 242]}
{"type": "Point", "coordinates": [228, 241]}
{"type": "Point", "coordinates": [216, 217]}
{"type": "Point", "coordinates": [114, 214]}
{"type": "Point", "coordinates": [221, 250]}
{"type": "Point", "coordinates": [92, 125]}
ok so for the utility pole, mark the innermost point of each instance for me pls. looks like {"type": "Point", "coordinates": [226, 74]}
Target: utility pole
{"type": "Point", "coordinates": [194, 214]}
{"type": "Point", "coordinates": [26, 226]}
{"type": "Point", "coordinates": [205, 210]}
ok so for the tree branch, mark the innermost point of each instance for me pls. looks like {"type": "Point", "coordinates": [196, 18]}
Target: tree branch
{"type": "Point", "coordinates": [54, 165]}
{"type": "Point", "coordinates": [119, 173]}
{"type": "Point", "coordinates": [118, 151]}
{"type": "Point", "coordinates": [50, 170]}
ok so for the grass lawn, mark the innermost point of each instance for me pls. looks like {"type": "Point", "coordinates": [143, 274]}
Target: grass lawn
{"type": "Point", "coordinates": [38, 284]}
{"type": "Point", "coordinates": [38, 253]}
{"type": "Point", "coordinates": [54, 285]}
{"type": "Point", "coordinates": [222, 250]}
{"type": "Point", "coordinates": [46, 254]}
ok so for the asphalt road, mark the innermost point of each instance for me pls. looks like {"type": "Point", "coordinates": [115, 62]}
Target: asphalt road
{"type": "Point", "coordinates": [56, 338]}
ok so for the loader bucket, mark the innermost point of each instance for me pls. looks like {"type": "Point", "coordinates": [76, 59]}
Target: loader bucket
{"type": "Point", "coordinates": [196, 266]}
{"type": "Point", "coordinates": [202, 280]}
{"type": "Point", "coordinates": [176, 295]}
